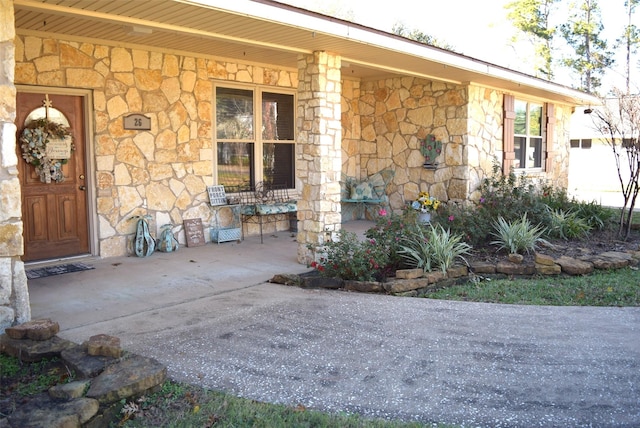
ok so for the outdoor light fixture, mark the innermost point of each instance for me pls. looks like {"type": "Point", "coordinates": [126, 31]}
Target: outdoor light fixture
{"type": "Point", "coordinates": [135, 30]}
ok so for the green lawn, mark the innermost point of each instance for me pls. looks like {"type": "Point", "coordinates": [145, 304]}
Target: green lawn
{"type": "Point", "coordinates": [603, 288]}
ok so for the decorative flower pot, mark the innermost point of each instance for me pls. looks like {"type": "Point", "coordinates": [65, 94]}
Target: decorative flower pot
{"type": "Point", "coordinates": [424, 218]}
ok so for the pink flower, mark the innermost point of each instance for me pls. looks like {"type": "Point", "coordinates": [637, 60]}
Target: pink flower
{"type": "Point", "coordinates": [451, 218]}
{"type": "Point", "coordinates": [382, 212]}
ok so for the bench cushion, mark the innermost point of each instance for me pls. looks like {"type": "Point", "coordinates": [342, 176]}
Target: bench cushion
{"type": "Point", "coordinates": [267, 209]}
{"type": "Point", "coordinates": [362, 190]}
{"type": "Point", "coordinates": [276, 208]}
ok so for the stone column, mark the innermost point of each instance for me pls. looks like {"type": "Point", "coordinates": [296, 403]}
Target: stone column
{"type": "Point", "coordinates": [318, 151]}
{"type": "Point", "coordinates": [14, 296]}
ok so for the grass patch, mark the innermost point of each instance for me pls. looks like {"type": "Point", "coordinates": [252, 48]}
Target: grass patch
{"type": "Point", "coordinates": [619, 287]}
{"type": "Point", "coordinates": [181, 405]}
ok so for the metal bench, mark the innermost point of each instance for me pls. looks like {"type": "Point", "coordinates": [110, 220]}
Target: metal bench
{"type": "Point", "coordinates": [268, 203]}
{"type": "Point", "coordinates": [370, 192]}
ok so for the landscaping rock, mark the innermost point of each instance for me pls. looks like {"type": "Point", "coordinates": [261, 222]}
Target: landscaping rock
{"type": "Point", "coordinates": [35, 330]}
{"type": "Point", "coordinates": [403, 285]}
{"type": "Point", "coordinates": [482, 267]}
{"type": "Point", "coordinates": [364, 286]}
{"type": "Point", "coordinates": [322, 282]}
{"type": "Point", "coordinates": [543, 259]}
{"type": "Point", "coordinates": [511, 268]}
{"type": "Point", "coordinates": [286, 279]}
{"type": "Point", "coordinates": [104, 345]}
{"type": "Point", "coordinates": [128, 377]}
{"type": "Point", "coordinates": [83, 364]}
{"type": "Point", "coordinates": [45, 412]}
{"type": "Point", "coordinates": [33, 350]}
{"type": "Point", "coordinates": [609, 260]}
{"type": "Point", "coordinates": [435, 276]}
{"type": "Point", "coordinates": [573, 266]}
{"type": "Point", "coordinates": [515, 258]}
{"type": "Point", "coordinates": [553, 269]}
{"type": "Point", "coordinates": [457, 271]}
{"type": "Point", "coordinates": [104, 379]}
{"type": "Point", "coordinates": [409, 273]}
{"type": "Point", "coordinates": [68, 391]}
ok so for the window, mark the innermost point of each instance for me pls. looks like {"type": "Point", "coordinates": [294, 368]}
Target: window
{"type": "Point", "coordinates": [527, 142]}
{"type": "Point", "coordinates": [584, 143]}
{"type": "Point", "coordinates": [255, 137]}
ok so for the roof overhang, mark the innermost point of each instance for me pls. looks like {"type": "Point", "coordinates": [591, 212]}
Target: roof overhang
{"type": "Point", "coordinates": [269, 33]}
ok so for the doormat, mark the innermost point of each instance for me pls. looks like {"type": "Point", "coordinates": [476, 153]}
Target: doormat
{"type": "Point", "coordinates": [56, 270]}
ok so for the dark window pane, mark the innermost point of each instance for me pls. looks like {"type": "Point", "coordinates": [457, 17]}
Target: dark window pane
{"type": "Point", "coordinates": [586, 143]}
{"type": "Point", "coordinates": [279, 164]}
{"type": "Point", "coordinates": [235, 162]}
{"type": "Point", "coordinates": [519, 144]}
{"type": "Point", "coordinates": [234, 114]}
{"type": "Point", "coordinates": [534, 153]}
{"type": "Point", "coordinates": [575, 144]}
{"type": "Point", "coordinates": [277, 116]}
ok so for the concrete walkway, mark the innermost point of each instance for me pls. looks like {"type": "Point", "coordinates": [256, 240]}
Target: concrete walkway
{"type": "Point", "coordinates": [209, 315]}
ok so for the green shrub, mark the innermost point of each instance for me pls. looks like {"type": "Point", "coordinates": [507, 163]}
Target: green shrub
{"type": "Point", "coordinates": [517, 236]}
{"type": "Point", "coordinates": [351, 259]}
{"type": "Point", "coordinates": [596, 216]}
{"type": "Point", "coordinates": [471, 222]}
{"type": "Point", "coordinates": [567, 225]}
{"type": "Point", "coordinates": [388, 232]}
{"type": "Point", "coordinates": [432, 246]}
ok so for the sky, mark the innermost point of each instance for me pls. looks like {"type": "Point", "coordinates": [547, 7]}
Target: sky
{"type": "Point", "coordinates": [476, 28]}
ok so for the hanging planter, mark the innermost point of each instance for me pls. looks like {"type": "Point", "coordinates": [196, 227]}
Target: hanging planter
{"type": "Point", "coordinates": [430, 149]}
{"type": "Point", "coordinates": [47, 146]}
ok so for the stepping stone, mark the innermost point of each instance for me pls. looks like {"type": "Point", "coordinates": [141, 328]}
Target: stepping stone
{"type": "Point", "coordinates": [129, 377]}
{"type": "Point", "coordinates": [35, 330]}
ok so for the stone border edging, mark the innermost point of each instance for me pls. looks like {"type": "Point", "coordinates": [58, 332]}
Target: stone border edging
{"type": "Point", "coordinates": [412, 280]}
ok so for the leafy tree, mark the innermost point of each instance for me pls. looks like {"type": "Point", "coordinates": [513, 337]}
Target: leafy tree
{"type": "Point", "coordinates": [532, 17]}
{"type": "Point", "coordinates": [400, 29]}
{"type": "Point", "coordinates": [582, 33]}
{"type": "Point", "coordinates": [630, 40]}
{"type": "Point", "coordinates": [619, 122]}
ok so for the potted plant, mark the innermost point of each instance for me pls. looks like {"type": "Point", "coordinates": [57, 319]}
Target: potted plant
{"type": "Point", "coordinates": [425, 204]}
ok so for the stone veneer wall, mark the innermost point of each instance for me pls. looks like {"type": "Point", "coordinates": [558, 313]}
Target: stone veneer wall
{"type": "Point", "coordinates": [14, 294]}
{"type": "Point", "coordinates": [382, 122]}
{"type": "Point", "coordinates": [318, 151]}
{"type": "Point", "coordinates": [162, 172]}
{"type": "Point", "coordinates": [383, 119]}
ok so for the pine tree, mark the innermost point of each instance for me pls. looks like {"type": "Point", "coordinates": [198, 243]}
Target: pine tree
{"type": "Point", "coordinates": [630, 39]}
{"type": "Point", "coordinates": [582, 33]}
{"type": "Point", "coordinates": [532, 17]}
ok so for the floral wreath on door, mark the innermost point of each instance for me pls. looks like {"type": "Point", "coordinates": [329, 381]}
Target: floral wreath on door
{"type": "Point", "coordinates": [47, 146]}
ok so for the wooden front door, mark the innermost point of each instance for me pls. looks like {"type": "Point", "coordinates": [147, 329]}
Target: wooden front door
{"type": "Point", "coordinates": [54, 214]}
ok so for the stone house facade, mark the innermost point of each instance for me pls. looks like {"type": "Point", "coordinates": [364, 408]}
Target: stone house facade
{"type": "Point", "coordinates": [349, 121]}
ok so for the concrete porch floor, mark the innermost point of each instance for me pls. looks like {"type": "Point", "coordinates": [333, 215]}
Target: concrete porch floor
{"type": "Point", "coordinates": [122, 286]}
{"type": "Point", "coordinates": [209, 315]}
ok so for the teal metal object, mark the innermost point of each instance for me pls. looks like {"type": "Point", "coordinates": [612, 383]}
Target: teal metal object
{"type": "Point", "coordinates": [167, 243]}
{"type": "Point", "coordinates": [144, 242]}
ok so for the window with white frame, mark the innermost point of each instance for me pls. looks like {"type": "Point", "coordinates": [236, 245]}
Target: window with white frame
{"type": "Point", "coordinates": [254, 137]}
{"type": "Point", "coordinates": [528, 135]}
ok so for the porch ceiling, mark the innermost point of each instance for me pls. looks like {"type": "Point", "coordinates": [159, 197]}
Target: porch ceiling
{"type": "Point", "coordinates": [269, 33]}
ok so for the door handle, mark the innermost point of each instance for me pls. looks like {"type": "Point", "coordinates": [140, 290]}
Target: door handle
{"type": "Point", "coordinates": [82, 188]}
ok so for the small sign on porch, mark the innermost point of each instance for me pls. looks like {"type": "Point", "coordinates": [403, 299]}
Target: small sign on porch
{"type": "Point", "coordinates": [193, 232]}
{"type": "Point", "coordinates": [138, 122]}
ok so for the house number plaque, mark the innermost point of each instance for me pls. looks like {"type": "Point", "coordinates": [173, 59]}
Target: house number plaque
{"type": "Point", "coordinates": [138, 122]}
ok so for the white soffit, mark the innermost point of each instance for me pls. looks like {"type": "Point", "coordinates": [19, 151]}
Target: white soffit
{"type": "Point", "coordinates": [267, 32]}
